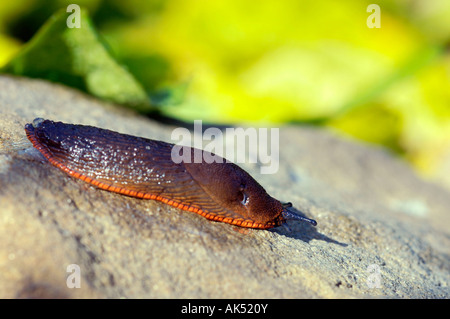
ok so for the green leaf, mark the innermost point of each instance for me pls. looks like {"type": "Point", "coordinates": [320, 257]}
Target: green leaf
{"type": "Point", "coordinates": [76, 57]}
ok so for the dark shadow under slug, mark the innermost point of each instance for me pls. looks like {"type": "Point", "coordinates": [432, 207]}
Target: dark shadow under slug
{"type": "Point", "coordinates": [144, 168]}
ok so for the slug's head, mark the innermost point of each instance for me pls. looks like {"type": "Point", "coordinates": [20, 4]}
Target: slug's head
{"type": "Point", "coordinates": [234, 194]}
{"type": "Point", "coordinates": [253, 201]}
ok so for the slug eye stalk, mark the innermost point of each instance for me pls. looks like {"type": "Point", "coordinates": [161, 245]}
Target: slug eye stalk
{"type": "Point", "coordinates": [289, 214]}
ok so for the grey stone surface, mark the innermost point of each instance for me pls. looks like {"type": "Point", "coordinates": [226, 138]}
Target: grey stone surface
{"type": "Point", "coordinates": [373, 215]}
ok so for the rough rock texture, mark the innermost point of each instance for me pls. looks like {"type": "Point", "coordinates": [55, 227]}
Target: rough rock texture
{"type": "Point", "coordinates": [382, 232]}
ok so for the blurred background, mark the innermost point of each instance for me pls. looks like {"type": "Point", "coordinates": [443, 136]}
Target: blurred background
{"type": "Point", "coordinates": [266, 63]}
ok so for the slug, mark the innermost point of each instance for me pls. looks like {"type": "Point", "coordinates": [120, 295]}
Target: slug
{"type": "Point", "coordinates": [143, 168]}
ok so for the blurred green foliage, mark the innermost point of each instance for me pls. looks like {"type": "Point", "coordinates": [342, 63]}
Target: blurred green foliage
{"type": "Point", "coordinates": [271, 62]}
{"type": "Point", "coordinates": [76, 57]}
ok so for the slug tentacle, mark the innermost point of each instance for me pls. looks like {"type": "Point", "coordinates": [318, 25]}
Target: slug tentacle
{"type": "Point", "coordinates": [291, 215]}
{"type": "Point", "coordinates": [143, 168]}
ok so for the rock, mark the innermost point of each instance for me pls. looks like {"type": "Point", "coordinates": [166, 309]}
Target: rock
{"type": "Point", "coordinates": [382, 232]}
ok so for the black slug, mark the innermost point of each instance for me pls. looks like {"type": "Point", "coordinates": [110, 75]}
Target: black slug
{"type": "Point", "coordinates": [143, 168]}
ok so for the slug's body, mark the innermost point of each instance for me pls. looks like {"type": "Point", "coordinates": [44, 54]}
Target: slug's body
{"type": "Point", "coordinates": [143, 168]}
